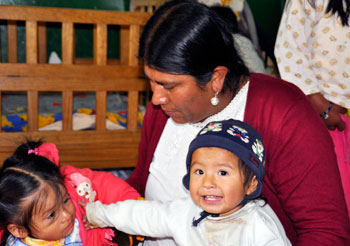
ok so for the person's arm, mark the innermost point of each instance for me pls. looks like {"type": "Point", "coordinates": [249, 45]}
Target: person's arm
{"type": "Point", "coordinates": [334, 120]}
{"type": "Point", "coordinates": [147, 218]}
{"type": "Point", "coordinates": [293, 49]}
{"type": "Point", "coordinates": [304, 171]}
{"type": "Point", "coordinates": [297, 51]}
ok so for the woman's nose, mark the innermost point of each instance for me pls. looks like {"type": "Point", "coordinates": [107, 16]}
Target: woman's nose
{"type": "Point", "coordinates": [158, 97]}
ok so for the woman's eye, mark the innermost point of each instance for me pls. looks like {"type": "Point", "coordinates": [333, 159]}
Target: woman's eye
{"type": "Point", "coordinates": [222, 173]}
{"type": "Point", "coordinates": [168, 88]}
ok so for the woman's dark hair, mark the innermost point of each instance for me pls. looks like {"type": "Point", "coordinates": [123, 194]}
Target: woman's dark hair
{"type": "Point", "coordinates": [21, 176]}
{"type": "Point", "coordinates": [337, 7]}
{"type": "Point", "coordinates": [228, 15]}
{"type": "Point", "coordinates": [186, 37]}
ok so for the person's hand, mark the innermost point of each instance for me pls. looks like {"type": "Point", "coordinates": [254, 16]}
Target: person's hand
{"type": "Point", "coordinates": [84, 218]}
{"type": "Point", "coordinates": [334, 121]}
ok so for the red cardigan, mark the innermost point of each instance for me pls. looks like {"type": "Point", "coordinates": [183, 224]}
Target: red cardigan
{"type": "Point", "coordinates": [302, 182]}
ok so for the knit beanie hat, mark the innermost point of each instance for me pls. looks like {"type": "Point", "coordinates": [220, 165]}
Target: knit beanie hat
{"type": "Point", "coordinates": [237, 137]}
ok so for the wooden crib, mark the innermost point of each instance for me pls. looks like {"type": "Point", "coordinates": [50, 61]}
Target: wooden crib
{"type": "Point", "coordinates": [96, 148]}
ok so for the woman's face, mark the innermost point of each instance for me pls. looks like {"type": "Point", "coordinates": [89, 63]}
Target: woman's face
{"type": "Point", "coordinates": [180, 96]}
{"type": "Point", "coordinates": [53, 219]}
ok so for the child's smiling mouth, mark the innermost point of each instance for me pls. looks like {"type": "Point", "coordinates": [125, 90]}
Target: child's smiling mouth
{"type": "Point", "coordinates": [212, 199]}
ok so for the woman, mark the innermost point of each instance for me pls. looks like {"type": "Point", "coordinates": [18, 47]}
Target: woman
{"type": "Point", "coordinates": [313, 52]}
{"type": "Point", "coordinates": [196, 77]}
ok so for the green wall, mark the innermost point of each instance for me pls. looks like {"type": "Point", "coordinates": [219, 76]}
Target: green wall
{"type": "Point", "coordinates": [81, 4]}
{"type": "Point", "coordinates": [83, 36]}
{"type": "Point", "coordinates": [267, 14]}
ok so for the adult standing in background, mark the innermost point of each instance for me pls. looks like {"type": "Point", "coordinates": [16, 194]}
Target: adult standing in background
{"type": "Point", "coordinates": [313, 52]}
{"type": "Point", "coordinates": [197, 76]}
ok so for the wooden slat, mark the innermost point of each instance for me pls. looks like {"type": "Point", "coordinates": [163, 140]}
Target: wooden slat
{"type": "Point", "coordinates": [100, 44]}
{"type": "Point", "coordinates": [43, 77]}
{"type": "Point", "coordinates": [70, 71]}
{"type": "Point", "coordinates": [100, 58]}
{"type": "Point", "coordinates": [67, 110]}
{"type": "Point", "coordinates": [91, 149]}
{"type": "Point", "coordinates": [132, 109]}
{"type": "Point", "coordinates": [42, 14]}
{"type": "Point", "coordinates": [31, 42]}
{"type": "Point", "coordinates": [101, 103]}
{"type": "Point", "coordinates": [32, 107]}
{"type": "Point", "coordinates": [62, 84]}
{"type": "Point", "coordinates": [145, 5]}
{"type": "Point", "coordinates": [42, 42]}
{"type": "Point", "coordinates": [134, 37]}
{"type": "Point", "coordinates": [68, 43]}
{"type": "Point", "coordinates": [124, 44]}
{"type": "Point", "coordinates": [12, 41]}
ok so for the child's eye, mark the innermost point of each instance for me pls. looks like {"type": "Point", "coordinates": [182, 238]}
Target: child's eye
{"type": "Point", "coordinates": [52, 215]}
{"type": "Point", "coordinates": [222, 173]}
{"type": "Point", "coordinates": [198, 171]}
{"type": "Point", "coordinates": [66, 200]}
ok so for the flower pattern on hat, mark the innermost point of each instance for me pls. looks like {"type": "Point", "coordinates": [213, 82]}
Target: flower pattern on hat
{"type": "Point", "coordinates": [239, 132]}
{"type": "Point", "coordinates": [258, 149]}
{"type": "Point", "coordinates": [212, 127]}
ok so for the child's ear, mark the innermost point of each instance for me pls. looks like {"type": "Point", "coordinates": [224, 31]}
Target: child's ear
{"type": "Point", "coordinates": [252, 186]}
{"type": "Point", "coordinates": [17, 231]}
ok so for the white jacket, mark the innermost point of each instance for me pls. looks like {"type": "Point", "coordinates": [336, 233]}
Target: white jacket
{"type": "Point", "coordinates": [254, 224]}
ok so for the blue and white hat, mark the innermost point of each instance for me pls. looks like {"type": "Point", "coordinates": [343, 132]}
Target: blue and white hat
{"type": "Point", "coordinates": [237, 137]}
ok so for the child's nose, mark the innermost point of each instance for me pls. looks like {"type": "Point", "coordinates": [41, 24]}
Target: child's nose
{"type": "Point", "coordinates": [66, 215]}
{"type": "Point", "coordinates": [209, 181]}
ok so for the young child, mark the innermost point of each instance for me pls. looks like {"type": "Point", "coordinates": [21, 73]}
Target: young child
{"type": "Point", "coordinates": [225, 170]}
{"type": "Point", "coordinates": [39, 200]}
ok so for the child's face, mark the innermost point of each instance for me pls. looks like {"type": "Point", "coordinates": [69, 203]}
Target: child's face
{"type": "Point", "coordinates": [216, 181]}
{"type": "Point", "coordinates": [53, 219]}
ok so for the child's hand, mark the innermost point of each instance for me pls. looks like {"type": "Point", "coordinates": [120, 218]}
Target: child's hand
{"type": "Point", "coordinates": [86, 223]}
{"type": "Point", "coordinates": [84, 218]}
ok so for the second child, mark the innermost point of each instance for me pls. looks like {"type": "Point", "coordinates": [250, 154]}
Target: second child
{"type": "Point", "coordinates": [39, 200]}
{"type": "Point", "coordinates": [225, 170]}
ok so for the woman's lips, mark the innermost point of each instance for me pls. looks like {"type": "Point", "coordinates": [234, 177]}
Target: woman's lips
{"type": "Point", "coordinates": [169, 113]}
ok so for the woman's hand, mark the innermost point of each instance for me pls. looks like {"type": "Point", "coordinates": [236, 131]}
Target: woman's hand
{"type": "Point", "coordinates": [321, 105]}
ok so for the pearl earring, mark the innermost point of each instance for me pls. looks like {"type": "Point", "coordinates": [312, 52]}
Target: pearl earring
{"type": "Point", "coordinates": [214, 100]}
